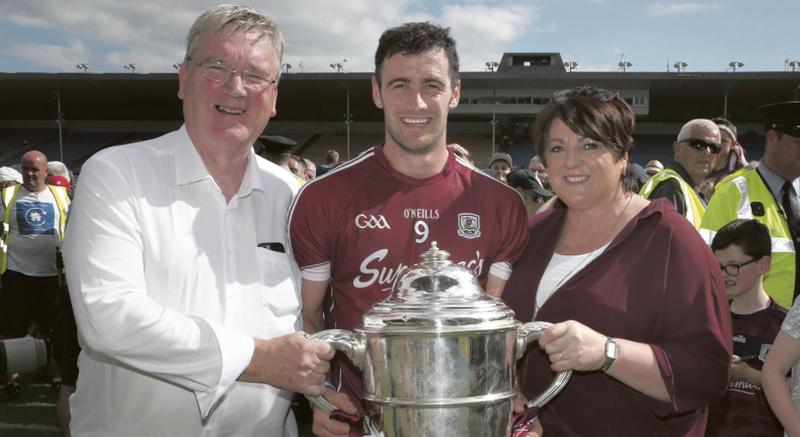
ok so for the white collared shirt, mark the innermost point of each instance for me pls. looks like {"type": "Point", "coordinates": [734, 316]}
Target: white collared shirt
{"type": "Point", "coordinates": [169, 288]}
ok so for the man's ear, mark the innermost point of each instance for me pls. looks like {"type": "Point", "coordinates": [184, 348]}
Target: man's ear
{"type": "Point", "coordinates": [376, 93]}
{"type": "Point", "coordinates": [456, 97]}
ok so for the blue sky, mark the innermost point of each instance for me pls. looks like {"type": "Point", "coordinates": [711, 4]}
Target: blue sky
{"type": "Point", "coordinates": [52, 36]}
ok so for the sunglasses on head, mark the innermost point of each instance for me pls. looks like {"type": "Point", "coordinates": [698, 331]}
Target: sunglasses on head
{"type": "Point", "coordinates": [601, 94]}
{"type": "Point", "coordinates": [698, 144]}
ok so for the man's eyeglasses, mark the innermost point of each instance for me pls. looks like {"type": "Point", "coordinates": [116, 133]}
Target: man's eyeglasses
{"type": "Point", "coordinates": [733, 269]}
{"type": "Point", "coordinates": [602, 94]}
{"type": "Point", "coordinates": [218, 71]}
{"type": "Point", "coordinates": [698, 144]}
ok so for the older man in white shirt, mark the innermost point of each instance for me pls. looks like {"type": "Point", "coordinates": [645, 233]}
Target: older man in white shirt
{"type": "Point", "coordinates": [180, 271]}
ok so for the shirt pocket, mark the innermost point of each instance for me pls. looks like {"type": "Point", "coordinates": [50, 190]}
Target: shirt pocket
{"type": "Point", "coordinates": [279, 289]}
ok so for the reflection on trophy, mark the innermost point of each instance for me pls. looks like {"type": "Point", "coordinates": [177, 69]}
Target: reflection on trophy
{"type": "Point", "coordinates": [439, 355]}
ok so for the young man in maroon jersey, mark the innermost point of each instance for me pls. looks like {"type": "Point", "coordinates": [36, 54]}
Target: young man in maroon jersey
{"type": "Point", "coordinates": [354, 231]}
{"type": "Point", "coordinates": [743, 249]}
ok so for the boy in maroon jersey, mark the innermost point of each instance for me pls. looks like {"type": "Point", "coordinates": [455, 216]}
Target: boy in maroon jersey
{"type": "Point", "coordinates": [743, 249]}
{"type": "Point", "coordinates": [356, 229]}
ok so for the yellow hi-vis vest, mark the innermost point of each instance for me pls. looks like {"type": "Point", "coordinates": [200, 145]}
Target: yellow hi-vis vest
{"type": "Point", "coordinates": [694, 206]}
{"type": "Point", "coordinates": [738, 197]}
{"type": "Point", "coordinates": [9, 195]}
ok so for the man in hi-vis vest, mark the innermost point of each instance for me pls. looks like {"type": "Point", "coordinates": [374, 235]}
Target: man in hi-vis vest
{"type": "Point", "coordinates": [33, 215]}
{"type": "Point", "coordinates": [769, 194]}
{"type": "Point", "coordinates": [696, 151]}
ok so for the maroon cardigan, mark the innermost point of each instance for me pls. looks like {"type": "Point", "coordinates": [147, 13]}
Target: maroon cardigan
{"type": "Point", "coordinates": [657, 283]}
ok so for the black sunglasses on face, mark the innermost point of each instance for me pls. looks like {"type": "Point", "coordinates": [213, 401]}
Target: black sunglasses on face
{"type": "Point", "coordinates": [602, 94]}
{"type": "Point", "coordinates": [733, 269]}
{"type": "Point", "coordinates": [698, 144]}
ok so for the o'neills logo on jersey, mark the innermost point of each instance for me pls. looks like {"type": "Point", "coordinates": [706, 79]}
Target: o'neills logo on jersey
{"type": "Point", "coordinates": [469, 225]}
{"type": "Point", "coordinates": [372, 270]}
{"type": "Point", "coordinates": [421, 213]}
{"type": "Point", "coordinates": [369, 221]}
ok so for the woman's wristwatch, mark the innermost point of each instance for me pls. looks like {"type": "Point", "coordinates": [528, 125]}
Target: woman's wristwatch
{"type": "Point", "coordinates": [611, 354]}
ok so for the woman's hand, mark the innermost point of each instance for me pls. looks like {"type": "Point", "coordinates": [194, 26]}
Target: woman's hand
{"type": "Point", "coordinates": [573, 345]}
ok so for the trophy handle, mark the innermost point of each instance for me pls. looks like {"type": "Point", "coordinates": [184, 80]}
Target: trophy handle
{"type": "Point", "coordinates": [525, 335]}
{"type": "Point", "coordinates": [355, 349]}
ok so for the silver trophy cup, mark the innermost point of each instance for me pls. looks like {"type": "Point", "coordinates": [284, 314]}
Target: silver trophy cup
{"type": "Point", "coordinates": [439, 355]}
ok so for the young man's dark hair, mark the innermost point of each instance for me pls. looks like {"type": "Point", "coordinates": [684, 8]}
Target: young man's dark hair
{"type": "Point", "coordinates": [751, 236]}
{"type": "Point", "coordinates": [413, 39]}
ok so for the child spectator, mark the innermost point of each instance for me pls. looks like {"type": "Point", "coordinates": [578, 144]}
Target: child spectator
{"type": "Point", "coordinates": [743, 249]}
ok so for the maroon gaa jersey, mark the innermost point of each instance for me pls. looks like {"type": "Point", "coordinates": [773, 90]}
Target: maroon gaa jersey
{"type": "Point", "coordinates": [368, 223]}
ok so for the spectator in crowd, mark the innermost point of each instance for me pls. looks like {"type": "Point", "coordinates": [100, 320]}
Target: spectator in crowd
{"type": "Point", "coordinates": [184, 291]}
{"type": "Point", "coordinates": [696, 151]}
{"type": "Point", "coordinates": [653, 166]}
{"type": "Point", "coordinates": [731, 155]}
{"type": "Point", "coordinates": [350, 225]}
{"type": "Point", "coordinates": [636, 298]}
{"type": "Point", "coordinates": [9, 177]}
{"type": "Point", "coordinates": [769, 194]}
{"type": "Point", "coordinates": [527, 184]}
{"type": "Point", "coordinates": [502, 164]}
{"type": "Point", "coordinates": [538, 167]}
{"type": "Point", "coordinates": [272, 147]}
{"type": "Point", "coordinates": [461, 152]}
{"type": "Point", "coordinates": [292, 164]}
{"type": "Point", "coordinates": [311, 169]}
{"type": "Point", "coordinates": [638, 177]}
{"type": "Point", "coordinates": [783, 360]}
{"type": "Point", "coordinates": [331, 161]}
{"type": "Point", "coordinates": [743, 249]}
{"type": "Point", "coordinates": [34, 215]}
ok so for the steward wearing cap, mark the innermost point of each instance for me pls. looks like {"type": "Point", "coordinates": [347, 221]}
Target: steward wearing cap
{"type": "Point", "coordinates": [696, 150]}
{"type": "Point", "coordinates": [768, 194]}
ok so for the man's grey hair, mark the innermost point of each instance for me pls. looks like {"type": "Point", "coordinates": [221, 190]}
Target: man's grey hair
{"type": "Point", "coordinates": [242, 18]}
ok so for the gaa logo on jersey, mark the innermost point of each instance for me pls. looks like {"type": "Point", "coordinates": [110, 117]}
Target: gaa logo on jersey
{"type": "Point", "coordinates": [469, 225]}
{"type": "Point", "coordinates": [364, 221]}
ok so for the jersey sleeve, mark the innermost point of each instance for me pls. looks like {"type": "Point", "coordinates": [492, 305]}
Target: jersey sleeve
{"type": "Point", "coordinates": [310, 228]}
{"type": "Point", "coordinates": [513, 238]}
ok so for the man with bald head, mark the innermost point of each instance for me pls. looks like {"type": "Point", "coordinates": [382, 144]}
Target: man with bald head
{"type": "Point", "coordinates": [696, 150]}
{"type": "Point", "coordinates": [34, 215]}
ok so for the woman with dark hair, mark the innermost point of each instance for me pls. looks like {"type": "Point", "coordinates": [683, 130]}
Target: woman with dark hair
{"type": "Point", "coordinates": [636, 298]}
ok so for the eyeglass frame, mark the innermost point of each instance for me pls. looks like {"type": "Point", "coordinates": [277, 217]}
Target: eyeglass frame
{"type": "Point", "coordinates": [230, 72]}
{"type": "Point", "coordinates": [738, 266]}
{"type": "Point", "coordinates": [700, 145]}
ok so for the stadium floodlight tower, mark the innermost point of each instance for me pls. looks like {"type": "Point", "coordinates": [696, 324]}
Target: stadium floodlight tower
{"type": "Point", "coordinates": [680, 66]}
{"type": "Point", "coordinates": [570, 65]}
{"type": "Point", "coordinates": [83, 66]}
{"type": "Point", "coordinates": [286, 67]}
{"type": "Point", "coordinates": [131, 67]}
{"type": "Point", "coordinates": [794, 64]}
{"type": "Point", "coordinates": [339, 66]}
{"type": "Point", "coordinates": [491, 66]}
{"type": "Point", "coordinates": [624, 65]}
{"type": "Point", "coordinates": [734, 65]}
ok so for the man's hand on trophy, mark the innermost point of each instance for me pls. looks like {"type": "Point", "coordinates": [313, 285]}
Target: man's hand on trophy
{"type": "Point", "coordinates": [292, 362]}
{"type": "Point", "coordinates": [324, 425]}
